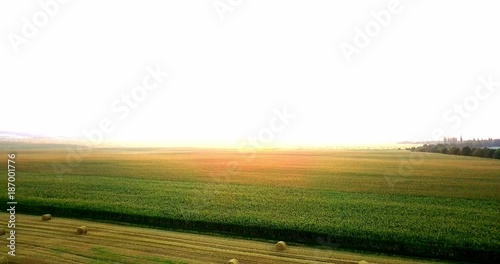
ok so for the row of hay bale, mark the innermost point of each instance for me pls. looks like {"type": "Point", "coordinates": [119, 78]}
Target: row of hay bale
{"type": "Point", "coordinates": [280, 246]}
{"type": "Point", "coordinates": [82, 230]}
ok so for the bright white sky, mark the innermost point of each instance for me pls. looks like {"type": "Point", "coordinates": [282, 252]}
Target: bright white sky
{"type": "Point", "coordinates": [227, 76]}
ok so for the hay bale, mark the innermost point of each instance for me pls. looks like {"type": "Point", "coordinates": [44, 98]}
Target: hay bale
{"type": "Point", "coordinates": [82, 230]}
{"type": "Point", "coordinates": [281, 246]}
{"type": "Point", "coordinates": [2, 231]}
{"type": "Point", "coordinates": [46, 217]}
{"type": "Point", "coordinates": [233, 261]}
{"type": "Point", "coordinates": [363, 262]}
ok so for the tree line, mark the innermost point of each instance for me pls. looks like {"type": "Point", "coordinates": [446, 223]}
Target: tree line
{"type": "Point", "coordinates": [459, 150]}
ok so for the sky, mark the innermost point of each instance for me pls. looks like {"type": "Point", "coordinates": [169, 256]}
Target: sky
{"type": "Point", "coordinates": [232, 72]}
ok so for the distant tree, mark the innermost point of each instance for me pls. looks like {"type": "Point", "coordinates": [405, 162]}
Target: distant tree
{"type": "Point", "coordinates": [489, 153]}
{"type": "Point", "coordinates": [466, 151]}
{"type": "Point", "coordinates": [477, 152]}
{"type": "Point", "coordinates": [496, 155]}
{"type": "Point", "coordinates": [444, 150]}
{"type": "Point", "coordinates": [424, 148]}
{"type": "Point", "coordinates": [454, 151]}
{"type": "Point", "coordinates": [483, 152]}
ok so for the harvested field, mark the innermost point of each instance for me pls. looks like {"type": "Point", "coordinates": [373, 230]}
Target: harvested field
{"type": "Point", "coordinates": [55, 241]}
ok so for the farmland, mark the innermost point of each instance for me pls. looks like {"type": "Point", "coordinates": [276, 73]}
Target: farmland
{"type": "Point", "coordinates": [56, 241]}
{"type": "Point", "coordinates": [430, 205]}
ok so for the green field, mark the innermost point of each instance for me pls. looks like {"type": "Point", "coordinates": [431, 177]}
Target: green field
{"type": "Point", "coordinates": [430, 205]}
